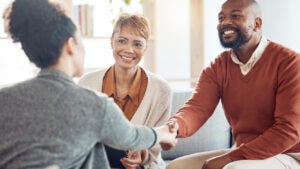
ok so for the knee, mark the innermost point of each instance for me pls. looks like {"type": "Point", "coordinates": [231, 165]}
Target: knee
{"type": "Point", "coordinates": [172, 165]}
{"type": "Point", "coordinates": [232, 165]}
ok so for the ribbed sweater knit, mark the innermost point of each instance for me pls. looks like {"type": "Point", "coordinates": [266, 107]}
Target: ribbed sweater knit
{"type": "Point", "coordinates": [262, 107]}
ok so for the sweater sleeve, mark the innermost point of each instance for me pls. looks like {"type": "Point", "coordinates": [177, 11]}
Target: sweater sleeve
{"type": "Point", "coordinates": [285, 131]}
{"type": "Point", "coordinates": [202, 104]}
{"type": "Point", "coordinates": [119, 133]}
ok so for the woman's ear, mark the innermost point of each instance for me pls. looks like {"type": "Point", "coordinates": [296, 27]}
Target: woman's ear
{"type": "Point", "coordinates": [70, 45]}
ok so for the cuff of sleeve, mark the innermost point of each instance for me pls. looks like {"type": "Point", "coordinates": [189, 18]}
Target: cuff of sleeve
{"type": "Point", "coordinates": [145, 156]}
{"type": "Point", "coordinates": [181, 130]}
{"type": "Point", "coordinates": [236, 155]}
{"type": "Point", "coordinates": [156, 139]}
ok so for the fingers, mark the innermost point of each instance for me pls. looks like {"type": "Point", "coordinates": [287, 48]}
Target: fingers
{"type": "Point", "coordinates": [168, 146]}
{"type": "Point", "coordinates": [133, 154]}
{"type": "Point", "coordinates": [167, 137]}
{"type": "Point", "coordinates": [129, 163]}
{"type": "Point", "coordinates": [133, 160]}
{"type": "Point", "coordinates": [173, 125]}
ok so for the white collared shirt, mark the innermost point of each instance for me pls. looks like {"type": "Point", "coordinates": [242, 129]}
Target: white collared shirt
{"type": "Point", "coordinates": [245, 68]}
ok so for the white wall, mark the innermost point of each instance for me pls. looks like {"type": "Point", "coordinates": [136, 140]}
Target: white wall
{"type": "Point", "coordinates": [172, 38]}
{"type": "Point", "coordinates": [14, 63]}
{"type": "Point", "coordinates": [280, 24]}
{"type": "Point", "coordinates": [211, 41]}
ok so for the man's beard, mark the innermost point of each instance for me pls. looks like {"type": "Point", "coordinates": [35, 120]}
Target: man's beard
{"type": "Point", "coordinates": [239, 41]}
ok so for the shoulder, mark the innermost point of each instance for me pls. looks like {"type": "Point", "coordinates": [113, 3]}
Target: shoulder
{"type": "Point", "coordinates": [93, 80]}
{"type": "Point", "coordinates": [220, 64]}
{"type": "Point", "coordinates": [92, 76]}
{"type": "Point", "coordinates": [220, 61]}
{"type": "Point", "coordinates": [91, 97]}
{"type": "Point", "coordinates": [222, 58]}
{"type": "Point", "coordinates": [156, 81]}
{"type": "Point", "coordinates": [281, 55]}
{"type": "Point", "coordinates": [274, 46]}
{"type": "Point", "coordinates": [280, 50]}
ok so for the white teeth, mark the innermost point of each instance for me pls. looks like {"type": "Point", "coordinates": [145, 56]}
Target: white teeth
{"type": "Point", "coordinates": [228, 32]}
{"type": "Point", "coordinates": [127, 58]}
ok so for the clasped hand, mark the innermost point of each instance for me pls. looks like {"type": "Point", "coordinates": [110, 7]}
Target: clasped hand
{"type": "Point", "coordinates": [167, 134]}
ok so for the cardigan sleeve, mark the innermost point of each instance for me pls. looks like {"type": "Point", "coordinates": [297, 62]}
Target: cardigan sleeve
{"type": "Point", "coordinates": [161, 109]}
{"type": "Point", "coordinates": [123, 135]}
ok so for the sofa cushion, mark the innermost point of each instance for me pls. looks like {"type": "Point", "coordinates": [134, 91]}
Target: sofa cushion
{"type": "Point", "coordinates": [214, 134]}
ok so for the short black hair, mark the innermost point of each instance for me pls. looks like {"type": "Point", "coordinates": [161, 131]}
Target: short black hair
{"type": "Point", "coordinates": [41, 27]}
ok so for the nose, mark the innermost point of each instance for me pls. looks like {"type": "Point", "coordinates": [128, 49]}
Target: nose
{"type": "Point", "coordinates": [226, 21]}
{"type": "Point", "coordinates": [129, 48]}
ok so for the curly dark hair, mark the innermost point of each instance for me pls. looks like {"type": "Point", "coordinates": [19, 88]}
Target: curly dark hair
{"type": "Point", "coordinates": [41, 27]}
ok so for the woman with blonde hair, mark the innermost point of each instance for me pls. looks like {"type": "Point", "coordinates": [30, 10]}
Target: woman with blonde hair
{"type": "Point", "coordinates": [143, 96]}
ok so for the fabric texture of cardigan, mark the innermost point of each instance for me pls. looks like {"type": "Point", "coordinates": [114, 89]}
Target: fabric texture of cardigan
{"type": "Point", "coordinates": [154, 109]}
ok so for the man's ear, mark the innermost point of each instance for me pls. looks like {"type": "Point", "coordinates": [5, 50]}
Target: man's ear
{"type": "Point", "coordinates": [258, 24]}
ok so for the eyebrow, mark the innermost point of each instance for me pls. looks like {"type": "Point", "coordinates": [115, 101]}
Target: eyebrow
{"type": "Point", "coordinates": [135, 40]}
{"type": "Point", "coordinates": [235, 10]}
{"type": "Point", "coordinates": [122, 37]}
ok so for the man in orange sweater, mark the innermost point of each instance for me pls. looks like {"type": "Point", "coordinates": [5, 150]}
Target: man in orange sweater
{"type": "Point", "coordinates": [258, 83]}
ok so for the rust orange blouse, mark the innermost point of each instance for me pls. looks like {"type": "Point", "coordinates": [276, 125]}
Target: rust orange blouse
{"type": "Point", "coordinates": [134, 96]}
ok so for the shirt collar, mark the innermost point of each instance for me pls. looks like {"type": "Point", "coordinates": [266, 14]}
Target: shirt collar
{"type": "Point", "coordinates": [133, 91]}
{"type": "Point", "coordinates": [256, 54]}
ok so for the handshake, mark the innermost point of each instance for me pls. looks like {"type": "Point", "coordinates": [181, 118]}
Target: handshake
{"type": "Point", "coordinates": [167, 134]}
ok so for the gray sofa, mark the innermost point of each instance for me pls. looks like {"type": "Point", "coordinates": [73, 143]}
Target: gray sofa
{"type": "Point", "coordinates": [215, 134]}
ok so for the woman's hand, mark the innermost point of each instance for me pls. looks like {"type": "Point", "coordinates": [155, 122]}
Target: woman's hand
{"type": "Point", "coordinates": [133, 160]}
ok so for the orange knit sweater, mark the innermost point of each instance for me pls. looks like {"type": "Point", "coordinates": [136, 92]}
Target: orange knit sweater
{"type": "Point", "coordinates": [262, 107]}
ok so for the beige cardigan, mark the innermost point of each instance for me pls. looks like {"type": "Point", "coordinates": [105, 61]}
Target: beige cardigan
{"type": "Point", "coordinates": [154, 109]}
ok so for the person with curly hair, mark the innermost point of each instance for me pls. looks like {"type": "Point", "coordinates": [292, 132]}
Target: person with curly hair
{"type": "Point", "coordinates": [49, 121]}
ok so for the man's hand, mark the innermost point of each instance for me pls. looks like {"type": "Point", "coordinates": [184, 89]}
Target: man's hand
{"type": "Point", "coordinates": [217, 162]}
{"type": "Point", "coordinates": [166, 136]}
{"type": "Point", "coordinates": [173, 125]}
{"type": "Point", "coordinates": [173, 128]}
{"type": "Point", "coordinates": [133, 160]}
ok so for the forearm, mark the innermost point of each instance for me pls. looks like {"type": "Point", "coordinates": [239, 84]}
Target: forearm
{"type": "Point", "coordinates": [123, 134]}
